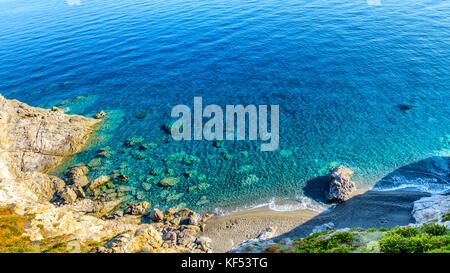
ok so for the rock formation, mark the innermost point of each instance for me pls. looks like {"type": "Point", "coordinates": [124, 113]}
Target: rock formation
{"type": "Point", "coordinates": [340, 187]}
{"type": "Point", "coordinates": [34, 141]}
{"type": "Point", "coordinates": [431, 208]}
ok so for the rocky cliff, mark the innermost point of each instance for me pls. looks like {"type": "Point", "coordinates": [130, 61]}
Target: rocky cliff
{"type": "Point", "coordinates": [33, 141]}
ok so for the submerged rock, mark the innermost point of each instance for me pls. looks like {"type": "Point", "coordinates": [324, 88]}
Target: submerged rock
{"type": "Point", "coordinates": [141, 113]}
{"type": "Point", "coordinates": [105, 152]}
{"type": "Point", "coordinates": [250, 180]}
{"type": "Point", "coordinates": [340, 187]}
{"type": "Point", "coordinates": [138, 155]}
{"type": "Point", "coordinates": [191, 173]}
{"type": "Point", "coordinates": [149, 146]}
{"type": "Point", "coordinates": [97, 182]}
{"type": "Point", "coordinates": [95, 162]}
{"type": "Point", "coordinates": [169, 181]}
{"type": "Point", "coordinates": [146, 186]}
{"type": "Point", "coordinates": [168, 127]}
{"type": "Point", "coordinates": [100, 115]}
{"type": "Point", "coordinates": [134, 141]}
{"type": "Point", "coordinates": [174, 197]}
{"type": "Point", "coordinates": [122, 177]}
{"type": "Point", "coordinates": [183, 158]}
{"type": "Point", "coordinates": [406, 107]}
{"type": "Point", "coordinates": [286, 153]}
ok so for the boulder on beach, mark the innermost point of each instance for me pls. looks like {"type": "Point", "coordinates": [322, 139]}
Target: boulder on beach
{"type": "Point", "coordinates": [340, 187]}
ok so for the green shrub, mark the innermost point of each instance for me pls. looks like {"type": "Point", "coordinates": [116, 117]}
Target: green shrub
{"type": "Point", "coordinates": [446, 217]}
{"type": "Point", "coordinates": [395, 243]}
{"type": "Point", "coordinates": [434, 229]}
{"type": "Point", "coordinates": [339, 242]}
{"type": "Point", "coordinates": [342, 237]}
{"type": "Point", "coordinates": [405, 231]}
{"type": "Point", "coordinates": [339, 249]}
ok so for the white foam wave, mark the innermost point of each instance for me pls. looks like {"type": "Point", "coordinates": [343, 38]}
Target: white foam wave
{"type": "Point", "coordinates": [282, 205]}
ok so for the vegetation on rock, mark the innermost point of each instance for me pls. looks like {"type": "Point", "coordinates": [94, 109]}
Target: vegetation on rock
{"type": "Point", "coordinates": [428, 238]}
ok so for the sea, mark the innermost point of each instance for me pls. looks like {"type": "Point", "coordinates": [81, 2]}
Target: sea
{"type": "Point", "coordinates": [362, 83]}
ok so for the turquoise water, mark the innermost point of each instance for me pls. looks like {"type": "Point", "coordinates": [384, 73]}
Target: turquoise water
{"type": "Point", "coordinates": [362, 85]}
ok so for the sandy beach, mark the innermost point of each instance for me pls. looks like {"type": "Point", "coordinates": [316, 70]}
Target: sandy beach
{"type": "Point", "coordinates": [366, 209]}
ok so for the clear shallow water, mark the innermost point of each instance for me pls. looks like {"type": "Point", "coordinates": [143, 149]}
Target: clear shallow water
{"type": "Point", "coordinates": [361, 85]}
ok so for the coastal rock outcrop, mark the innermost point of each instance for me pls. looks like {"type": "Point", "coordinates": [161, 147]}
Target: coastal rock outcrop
{"type": "Point", "coordinates": [34, 141]}
{"type": "Point", "coordinates": [431, 208]}
{"type": "Point", "coordinates": [165, 235]}
{"type": "Point", "coordinates": [341, 186]}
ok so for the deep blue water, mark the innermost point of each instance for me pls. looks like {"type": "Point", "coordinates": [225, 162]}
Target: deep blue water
{"type": "Point", "coordinates": [362, 85]}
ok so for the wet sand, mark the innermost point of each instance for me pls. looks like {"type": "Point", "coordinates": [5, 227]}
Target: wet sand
{"type": "Point", "coordinates": [371, 209]}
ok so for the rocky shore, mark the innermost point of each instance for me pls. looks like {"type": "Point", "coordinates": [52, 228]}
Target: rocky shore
{"type": "Point", "coordinates": [35, 141]}
{"type": "Point", "coordinates": [263, 229]}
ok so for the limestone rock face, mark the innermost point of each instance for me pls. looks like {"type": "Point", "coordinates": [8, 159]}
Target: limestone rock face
{"type": "Point", "coordinates": [430, 208]}
{"type": "Point", "coordinates": [340, 187]}
{"type": "Point", "coordinates": [46, 186]}
{"type": "Point", "coordinates": [33, 141]}
{"type": "Point", "coordinates": [36, 139]}
{"type": "Point", "coordinates": [145, 239]}
{"type": "Point", "coordinates": [95, 207]}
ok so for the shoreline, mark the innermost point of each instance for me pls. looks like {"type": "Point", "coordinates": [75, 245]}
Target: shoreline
{"type": "Point", "coordinates": [381, 209]}
{"type": "Point", "coordinates": [27, 186]}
